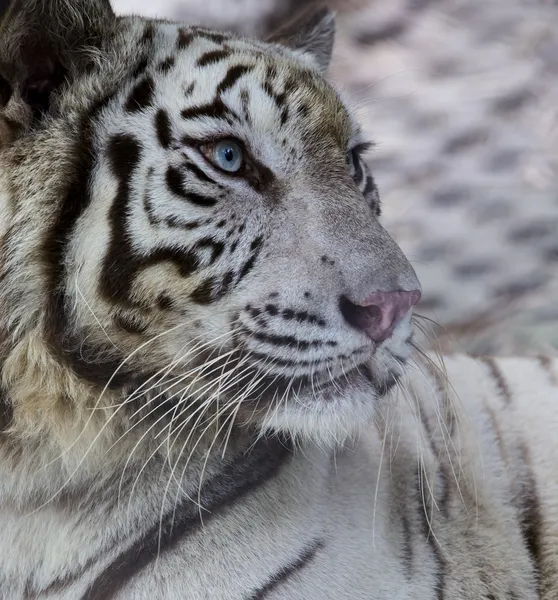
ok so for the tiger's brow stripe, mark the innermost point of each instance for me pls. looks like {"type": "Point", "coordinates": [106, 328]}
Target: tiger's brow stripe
{"type": "Point", "coordinates": [175, 183]}
{"type": "Point", "coordinates": [213, 56]}
{"type": "Point", "coordinates": [141, 96]}
{"type": "Point", "coordinates": [232, 76]}
{"type": "Point", "coordinates": [283, 575]}
{"type": "Point", "coordinates": [239, 477]}
{"type": "Point", "coordinates": [212, 36]}
{"type": "Point", "coordinates": [245, 102]}
{"type": "Point", "coordinates": [163, 128]}
{"type": "Point", "coordinates": [216, 110]}
{"type": "Point", "coordinates": [498, 377]}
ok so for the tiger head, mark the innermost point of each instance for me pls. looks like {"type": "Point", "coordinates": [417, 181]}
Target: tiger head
{"type": "Point", "coordinates": [187, 221]}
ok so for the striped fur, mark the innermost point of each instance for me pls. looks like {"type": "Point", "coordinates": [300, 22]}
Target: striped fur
{"type": "Point", "coordinates": [187, 411]}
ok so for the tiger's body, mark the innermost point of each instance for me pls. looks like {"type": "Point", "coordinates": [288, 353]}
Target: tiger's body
{"type": "Point", "coordinates": [204, 333]}
{"type": "Point", "coordinates": [419, 507]}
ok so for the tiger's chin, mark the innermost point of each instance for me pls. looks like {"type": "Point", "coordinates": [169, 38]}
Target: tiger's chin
{"type": "Point", "coordinates": [329, 408]}
{"type": "Point", "coordinates": [332, 413]}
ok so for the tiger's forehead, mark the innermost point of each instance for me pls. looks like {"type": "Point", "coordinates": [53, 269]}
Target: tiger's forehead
{"type": "Point", "coordinates": [217, 74]}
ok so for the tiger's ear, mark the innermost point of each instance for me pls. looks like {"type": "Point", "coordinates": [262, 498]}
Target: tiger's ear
{"type": "Point", "coordinates": [312, 33]}
{"type": "Point", "coordinates": [45, 44]}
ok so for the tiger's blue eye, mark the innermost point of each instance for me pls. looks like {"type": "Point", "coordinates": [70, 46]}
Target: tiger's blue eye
{"type": "Point", "coordinates": [228, 155]}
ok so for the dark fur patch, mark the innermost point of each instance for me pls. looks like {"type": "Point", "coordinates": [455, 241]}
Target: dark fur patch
{"type": "Point", "coordinates": [213, 56]}
{"type": "Point", "coordinates": [163, 128]}
{"type": "Point", "coordinates": [232, 76]}
{"type": "Point", "coordinates": [185, 38]}
{"type": "Point", "coordinates": [175, 183]}
{"type": "Point", "coordinates": [141, 96]}
{"type": "Point", "coordinates": [165, 302]}
{"type": "Point", "coordinates": [216, 110]}
{"type": "Point", "coordinates": [140, 68]}
{"type": "Point", "coordinates": [148, 34]}
{"type": "Point", "coordinates": [6, 410]}
{"type": "Point", "coordinates": [130, 324]}
{"type": "Point", "coordinates": [203, 294]}
{"type": "Point", "coordinates": [166, 65]}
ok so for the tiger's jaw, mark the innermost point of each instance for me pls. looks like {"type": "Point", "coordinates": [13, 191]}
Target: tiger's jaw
{"type": "Point", "coordinates": [326, 404]}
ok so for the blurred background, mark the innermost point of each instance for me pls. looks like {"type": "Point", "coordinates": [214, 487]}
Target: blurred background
{"type": "Point", "coordinates": [461, 99]}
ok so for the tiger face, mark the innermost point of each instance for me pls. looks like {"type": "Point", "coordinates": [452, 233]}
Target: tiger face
{"type": "Point", "coordinates": [212, 232]}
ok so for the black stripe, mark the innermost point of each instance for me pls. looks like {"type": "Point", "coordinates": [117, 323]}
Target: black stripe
{"type": "Point", "coordinates": [6, 410]}
{"type": "Point", "coordinates": [141, 96]}
{"type": "Point", "coordinates": [212, 57]}
{"type": "Point", "coordinates": [499, 378]}
{"type": "Point", "coordinates": [201, 175]}
{"type": "Point", "coordinates": [424, 508]}
{"type": "Point", "coordinates": [163, 128]}
{"type": "Point", "coordinates": [148, 34]}
{"type": "Point", "coordinates": [140, 68]}
{"type": "Point", "coordinates": [530, 518]}
{"type": "Point", "coordinates": [232, 76]}
{"type": "Point", "coordinates": [175, 184]}
{"type": "Point", "coordinates": [407, 543]}
{"type": "Point", "coordinates": [279, 578]}
{"type": "Point", "coordinates": [73, 351]}
{"type": "Point", "coordinates": [204, 293]}
{"type": "Point", "coordinates": [130, 323]}
{"type": "Point", "coordinates": [212, 36]}
{"type": "Point", "coordinates": [370, 186]}
{"type": "Point", "coordinates": [216, 110]}
{"type": "Point", "coordinates": [442, 472]}
{"type": "Point", "coordinates": [237, 479]}
{"type": "Point", "coordinates": [245, 101]}
{"type": "Point", "coordinates": [185, 38]}
{"type": "Point", "coordinates": [166, 65]}
{"type": "Point", "coordinates": [287, 340]}
{"type": "Point", "coordinates": [124, 153]}
{"type": "Point", "coordinates": [256, 247]}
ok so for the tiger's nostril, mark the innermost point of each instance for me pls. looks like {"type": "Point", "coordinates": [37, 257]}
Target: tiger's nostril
{"type": "Point", "coordinates": [378, 315]}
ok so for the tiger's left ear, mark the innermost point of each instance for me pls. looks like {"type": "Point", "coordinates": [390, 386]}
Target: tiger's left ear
{"type": "Point", "coordinates": [312, 33]}
{"type": "Point", "coordinates": [46, 44]}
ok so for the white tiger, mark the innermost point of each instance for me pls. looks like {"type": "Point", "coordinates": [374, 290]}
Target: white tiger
{"type": "Point", "coordinates": [207, 382]}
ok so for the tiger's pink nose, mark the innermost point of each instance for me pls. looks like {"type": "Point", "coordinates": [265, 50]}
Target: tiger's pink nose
{"type": "Point", "coordinates": [378, 315]}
